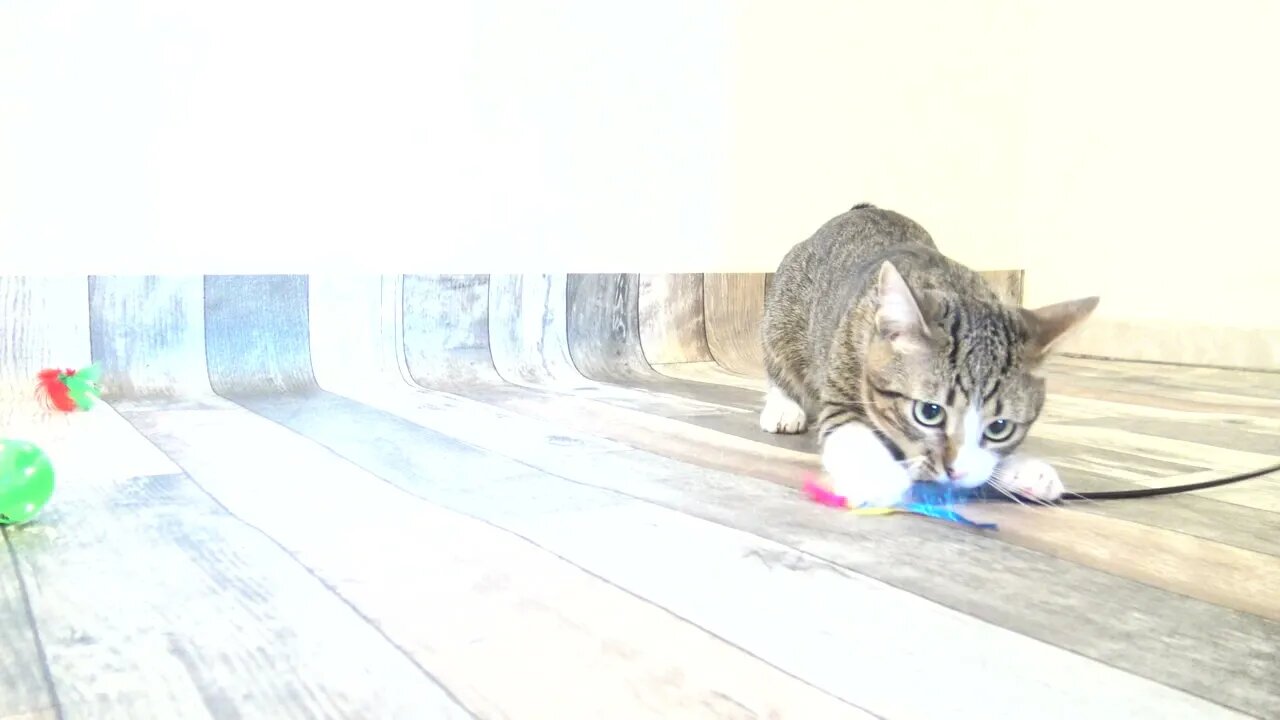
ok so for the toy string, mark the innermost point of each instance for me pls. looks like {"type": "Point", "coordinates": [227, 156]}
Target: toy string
{"type": "Point", "coordinates": [1152, 492]}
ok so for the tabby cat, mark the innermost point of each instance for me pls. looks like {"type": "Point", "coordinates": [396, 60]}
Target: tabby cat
{"type": "Point", "coordinates": [911, 366]}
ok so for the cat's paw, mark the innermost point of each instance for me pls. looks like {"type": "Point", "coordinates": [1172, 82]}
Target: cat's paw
{"type": "Point", "coordinates": [1031, 478]}
{"type": "Point", "coordinates": [862, 469]}
{"type": "Point", "coordinates": [781, 414]}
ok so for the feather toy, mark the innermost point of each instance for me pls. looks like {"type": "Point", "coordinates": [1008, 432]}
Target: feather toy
{"type": "Point", "coordinates": [929, 503]}
{"type": "Point", "coordinates": [67, 390]}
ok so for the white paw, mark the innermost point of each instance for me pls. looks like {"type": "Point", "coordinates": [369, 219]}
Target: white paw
{"type": "Point", "coordinates": [1031, 478]}
{"type": "Point", "coordinates": [861, 468]}
{"type": "Point", "coordinates": [781, 414]}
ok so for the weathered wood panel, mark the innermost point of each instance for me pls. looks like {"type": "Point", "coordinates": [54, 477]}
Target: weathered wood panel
{"type": "Point", "coordinates": [672, 329]}
{"type": "Point", "coordinates": [528, 329]}
{"type": "Point", "coordinates": [148, 335]}
{"type": "Point", "coordinates": [604, 327]}
{"type": "Point", "coordinates": [256, 337]}
{"type": "Point", "coordinates": [734, 308]}
{"type": "Point", "coordinates": [355, 332]}
{"type": "Point", "coordinates": [605, 344]}
{"type": "Point", "coordinates": [446, 329]}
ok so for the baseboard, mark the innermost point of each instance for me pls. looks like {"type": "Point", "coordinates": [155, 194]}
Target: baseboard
{"type": "Point", "coordinates": [1178, 343]}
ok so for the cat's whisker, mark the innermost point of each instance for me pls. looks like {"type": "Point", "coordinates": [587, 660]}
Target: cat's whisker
{"type": "Point", "coordinates": [1026, 499]}
{"type": "Point", "coordinates": [997, 482]}
{"type": "Point", "coordinates": [1091, 501]}
{"type": "Point", "coordinates": [913, 463]}
{"type": "Point", "coordinates": [1012, 496]}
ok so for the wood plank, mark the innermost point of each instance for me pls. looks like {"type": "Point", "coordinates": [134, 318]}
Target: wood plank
{"type": "Point", "coordinates": [24, 691]}
{"type": "Point", "coordinates": [1214, 572]}
{"type": "Point", "coordinates": [601, 652]}
{"type": "Point", "coordinates": [190, 639]}
{"type": "Point", "coordinates": [185, 598]}
{"type": "Point", "coordinates": [1188, 513]}
{"type": "Point", "coordinates": [347, 315]}
{"type": "Point", "coordinates": [606, 330]}
{"type": "Point", "coordinates": [1232, 431]}
{"type": "Point", "coordinates": [603, 332]}
{"type": "Point", "coordinates": [671, 322]}
{"type": "Point", "coordinates": [446, 329]}
{"type": "Point", "coordinates": [758, 574]}
{"type": "Point", "coordinates": [1054, 605]}
{"type": "Point", "coordinates": [604, 326]}
{"type": "Point", "coordinates": [358, 318]}
{"type": "Point", "coordinates": [1063, 407]}
{"type": "Point", "coordinates": [1261, 384]}
{"type": "Point", "coordinates": [734, 304]}
{"type": "Point", "coordinates": [1261, 493]}
{"type": "Point", "coordinates": [1187, 402]}
{"type": "Point", "coordinates": [528, 330]}
{"type": "Point", "coordinates": [355, 333]}
{"type": "Point", "coordinates": [1123, 539]}
{"type": "Point", "coordinates": [148, 335]}
{"type": "Point", "coordinates": [256, 333]}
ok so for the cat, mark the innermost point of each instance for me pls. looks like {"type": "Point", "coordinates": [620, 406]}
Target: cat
{"type": "Point", "coordinates": [909, 363]}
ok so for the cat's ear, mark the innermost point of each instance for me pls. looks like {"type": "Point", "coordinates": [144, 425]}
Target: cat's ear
{"type": "Point", "coordinates": [898, 316]}
{"type": "Point", "coordinates": [1051, 324]}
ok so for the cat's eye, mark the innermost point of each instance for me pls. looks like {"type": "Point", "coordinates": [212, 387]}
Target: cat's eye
{"type": "Point", "coordinates": [999, 430]}
{"type": "Point", "coordinates": [928, 414]}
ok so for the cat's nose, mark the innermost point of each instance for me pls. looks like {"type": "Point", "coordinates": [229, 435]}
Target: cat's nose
{"type": "Point", "coordinates": [956, 475]}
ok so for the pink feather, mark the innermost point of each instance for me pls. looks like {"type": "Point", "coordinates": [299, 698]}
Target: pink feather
{"type": "Point", "coordinates": [822, 494]}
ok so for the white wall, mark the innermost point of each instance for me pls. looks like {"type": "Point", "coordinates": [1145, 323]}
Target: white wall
{"type": "Point", "coordinates": [168, 135]}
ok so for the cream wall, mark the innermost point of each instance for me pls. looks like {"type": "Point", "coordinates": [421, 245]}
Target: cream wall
{"type": "Point", "coordinates": [1127, 150]}
{"type": "Point", "coordinates": [1152, 170]}
{"type": "Point", "coordinates": [914, 106]}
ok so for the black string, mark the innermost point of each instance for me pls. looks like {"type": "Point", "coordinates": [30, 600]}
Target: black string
{"type": "Point", "coordinates": [989, 494]}
{"type": "Point", "coordinates": [1170, 490]}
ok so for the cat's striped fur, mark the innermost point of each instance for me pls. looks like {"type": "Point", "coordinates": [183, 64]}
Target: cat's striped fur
{"type": "Point", "coordinates": [911, 366]}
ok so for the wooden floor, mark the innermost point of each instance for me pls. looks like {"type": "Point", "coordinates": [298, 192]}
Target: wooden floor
{"type": "Point", "coordinates": [545, 497]}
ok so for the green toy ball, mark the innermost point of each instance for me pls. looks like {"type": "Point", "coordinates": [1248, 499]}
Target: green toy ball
{"type": "Point", "coordinates": [26, 481]}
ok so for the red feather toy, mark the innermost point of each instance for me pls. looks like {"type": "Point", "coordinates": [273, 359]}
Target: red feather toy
{"type": "Point", "coordinates": [67, 390]}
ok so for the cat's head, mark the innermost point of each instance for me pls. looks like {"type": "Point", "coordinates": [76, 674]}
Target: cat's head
{"type": "Point", "coordinates": [953, 380]}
